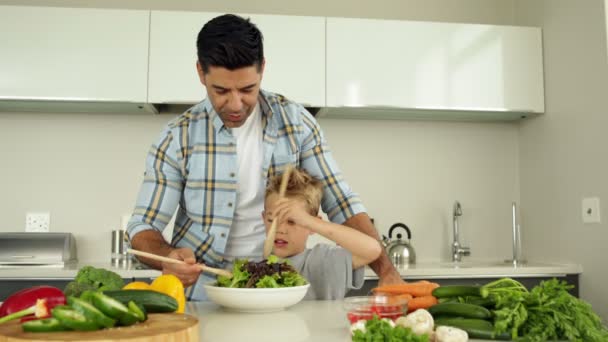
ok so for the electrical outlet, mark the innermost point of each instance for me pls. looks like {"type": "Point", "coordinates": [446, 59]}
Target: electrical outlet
{"type": "Point", "coordinates": [591, 210]}
{"type": "Point", "coordinates": [37, 222]}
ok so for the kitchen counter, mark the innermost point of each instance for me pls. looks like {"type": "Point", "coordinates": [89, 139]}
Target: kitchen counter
{"type": "Point", "coordinates": [481, 269]}
{"type": "Point", "coordinates": [317, 321]}
{"type": "Point", "coordinates": [69, 271]}
{"type": "Point", "coordinates": [423, 270]}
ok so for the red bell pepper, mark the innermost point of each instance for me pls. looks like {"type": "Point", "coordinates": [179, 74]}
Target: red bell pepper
{"type": "Point", "coordinates": [39, 310]}
{"type": "Point", "coordinates": [28, 299]}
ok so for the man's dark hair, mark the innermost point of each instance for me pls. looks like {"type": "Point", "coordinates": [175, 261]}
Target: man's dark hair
{"type": "Point", "coordinates": [231, 42]}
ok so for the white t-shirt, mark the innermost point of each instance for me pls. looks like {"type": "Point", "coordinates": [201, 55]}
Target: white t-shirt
{"type": "Point", "coordinates": [246, 238]}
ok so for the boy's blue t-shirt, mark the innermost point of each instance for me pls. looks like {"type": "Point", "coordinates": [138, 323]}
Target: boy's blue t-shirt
{"type": "Point", "coordinates": [329, 270]}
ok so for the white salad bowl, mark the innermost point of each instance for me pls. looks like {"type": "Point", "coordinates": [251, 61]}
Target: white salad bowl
{"type": "Point", "coordinates": [256, 300]}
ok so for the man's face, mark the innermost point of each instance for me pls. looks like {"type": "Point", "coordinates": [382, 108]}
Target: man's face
{"type": "Point", "coordinates": [233, 93]}
{"type": "Point", "coordinates": [290, 238]}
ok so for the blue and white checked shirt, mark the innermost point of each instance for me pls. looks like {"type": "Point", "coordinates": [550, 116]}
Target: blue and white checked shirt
{"type": "Point", "coordinates": [193, 168]}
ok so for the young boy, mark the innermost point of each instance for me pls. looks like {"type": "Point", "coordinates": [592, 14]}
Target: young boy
{"type": "Point", "coordinates": [331, 270]}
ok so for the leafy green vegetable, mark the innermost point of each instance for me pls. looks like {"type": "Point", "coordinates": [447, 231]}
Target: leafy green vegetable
{"type": "Point", "coordinates": [555, 314]}
{"type": "Point", "coordinates": [270, 273]}
{"type": "Point", "coordinates": [508, 296]}
{"type": "Point", "coordinates": [239, 275]}
{"type": "Point", "coordinates": [547, 312]}
{"type": "Point", "coordinates": [380, 330]}
{"type": "Point", "coordinates": [93, 279]}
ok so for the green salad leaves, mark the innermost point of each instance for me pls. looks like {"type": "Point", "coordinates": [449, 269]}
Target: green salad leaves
{"type": "Point", "coordinates": [377, 329]}
{"type": "Point", "coordinates": [270, 273]}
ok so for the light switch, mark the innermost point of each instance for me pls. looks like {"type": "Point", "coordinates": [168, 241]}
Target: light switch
{"type": "Point", "coordinates": [591, 210]}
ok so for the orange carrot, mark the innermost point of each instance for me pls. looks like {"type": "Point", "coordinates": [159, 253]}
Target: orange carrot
{"type": "Point", "coordinates": [418, 289]}
{"type": "Point", "coordinates": [396, 299]}
{"type": "Point", "coordinates": [424, 302]}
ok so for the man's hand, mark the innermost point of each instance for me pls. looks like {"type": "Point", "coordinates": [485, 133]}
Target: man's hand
{"type": "Point", "coordinates": [188, 274]}
{"type": "Point", "coordinates": [391, 279]}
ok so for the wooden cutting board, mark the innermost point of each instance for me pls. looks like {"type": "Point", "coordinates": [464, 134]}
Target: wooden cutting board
{"type": "Point", "coordinates": [157, 328]}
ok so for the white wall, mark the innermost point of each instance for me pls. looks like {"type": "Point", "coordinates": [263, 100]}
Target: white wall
{"type": "Point", "coordinates": [563, 153]}
{"type": "Point", "coordinates": [412, 172]}
{"type": "Point", "coordinates": [86, 169]}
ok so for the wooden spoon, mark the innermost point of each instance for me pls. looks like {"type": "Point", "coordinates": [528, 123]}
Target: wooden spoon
{"type": "Point", "coordinates": [204, 268]}
{"type": "Point", "coordinates": [272, 232]}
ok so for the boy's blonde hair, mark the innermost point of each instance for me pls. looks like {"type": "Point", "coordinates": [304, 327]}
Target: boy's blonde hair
{"type": "Point", "coordinates": [301, 185]}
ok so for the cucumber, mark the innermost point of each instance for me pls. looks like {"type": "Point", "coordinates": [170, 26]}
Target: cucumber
{"type": "Point", "coordinates": [476, 328]}
{"type": "Point", "coordinates": [152, 301]}
{"type": "Point", "coordinates": [460, 310]}
{"type": "Point", "coordinates": [485, 302]}
{"type": "Point", "coordinates": [459, 291]}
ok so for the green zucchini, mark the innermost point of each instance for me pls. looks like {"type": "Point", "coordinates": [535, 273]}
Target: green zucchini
{"type": "Point", "coordinates": [459, 291]}
{"type": "Point", "coordinates": [152, 301]}
{"type": "Point", "coordinates": [476, 328]}
{"type": "Point", "coordinates": [460, 310]}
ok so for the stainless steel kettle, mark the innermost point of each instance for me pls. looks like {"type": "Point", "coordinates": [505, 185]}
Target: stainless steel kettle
{"type": "Point", "coordinates": [400, 252]}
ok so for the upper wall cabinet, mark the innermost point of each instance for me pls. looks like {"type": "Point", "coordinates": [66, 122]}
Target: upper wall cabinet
{"type": "Point", "coordinates": [294, 48]}
{"type": "Point", "coordinates": [73, 54]}
{"type": "Point", "coordinates": [434, 66]}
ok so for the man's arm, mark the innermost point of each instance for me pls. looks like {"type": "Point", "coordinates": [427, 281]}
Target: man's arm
{"type": "Point", "coordinates": [158, 196]}
{"type": "Point", "coordinates": [151, 241]}
{"type": "Point", "coordinates": [382, 266]}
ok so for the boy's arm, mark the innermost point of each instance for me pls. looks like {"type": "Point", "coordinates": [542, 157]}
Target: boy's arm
{"type": "Point", "coordinates": [364, 248]}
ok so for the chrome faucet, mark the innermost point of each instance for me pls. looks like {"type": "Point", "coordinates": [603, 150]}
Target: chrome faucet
{"type": "Point", "coordinates": [457, 250]}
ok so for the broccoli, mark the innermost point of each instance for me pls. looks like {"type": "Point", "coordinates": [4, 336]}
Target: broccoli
{"type": "Point", "coordinates": [95, 279]}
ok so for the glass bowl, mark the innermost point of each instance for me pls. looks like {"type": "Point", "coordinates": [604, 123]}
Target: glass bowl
{"type": "Point", "coordinates": [365, 307]}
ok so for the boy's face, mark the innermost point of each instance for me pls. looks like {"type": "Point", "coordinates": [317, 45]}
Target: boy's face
{"type": "Point", "coordinates": [290, 238]}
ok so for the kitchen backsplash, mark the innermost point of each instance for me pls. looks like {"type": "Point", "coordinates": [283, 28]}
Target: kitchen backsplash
{"type": "Point", "coordinates": [86, 170]}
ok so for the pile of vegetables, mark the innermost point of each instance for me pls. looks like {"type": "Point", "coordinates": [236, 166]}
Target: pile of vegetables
{"type": "Point", "coordinates": [505, 309]}
{"type": "Point", "coordinates": [48, 309]}
{"type": "Point", "coordinates": [417, 326]}
{"type": "Point", "coordinates": [377, 329]}
{"type": "Point", "coordinates": [269, 273]}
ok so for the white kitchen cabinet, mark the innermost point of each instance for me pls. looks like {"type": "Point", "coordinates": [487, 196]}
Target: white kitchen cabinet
{"type": "Point", "coordinates": [73, 54]}
{"type": "Point", "coordinates": [458, 68]}
{"type": "Point", "coordinates": [294, 48]}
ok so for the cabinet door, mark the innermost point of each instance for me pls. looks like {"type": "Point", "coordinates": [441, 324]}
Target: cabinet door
{"type": "Point", "coordinates": [294, 48]}
{"type": "Point", "coordinates": [73, 54]}
{"type": "Point", "coordinates": [385, 63]}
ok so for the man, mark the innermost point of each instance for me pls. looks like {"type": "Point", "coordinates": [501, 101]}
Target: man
{"type": "Point", "coordinates": [212, 164]}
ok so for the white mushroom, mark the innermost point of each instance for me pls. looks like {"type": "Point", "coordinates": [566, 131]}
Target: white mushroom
{"type": "Point", "coordinates": [450, 334]}
{"type": "Point", "coordinates": [420, 321]}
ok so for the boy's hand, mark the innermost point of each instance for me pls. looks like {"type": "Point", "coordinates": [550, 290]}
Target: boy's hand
{"type": "Point", "coordinates": [293, 211]}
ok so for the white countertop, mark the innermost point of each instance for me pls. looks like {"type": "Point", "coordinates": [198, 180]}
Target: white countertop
{"type": "Point", "coordinates": [422, 270]}
{"type": "Point", "coordinates": [317, 321]}
{"type": "Point", "coordinates": [481, 269]}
